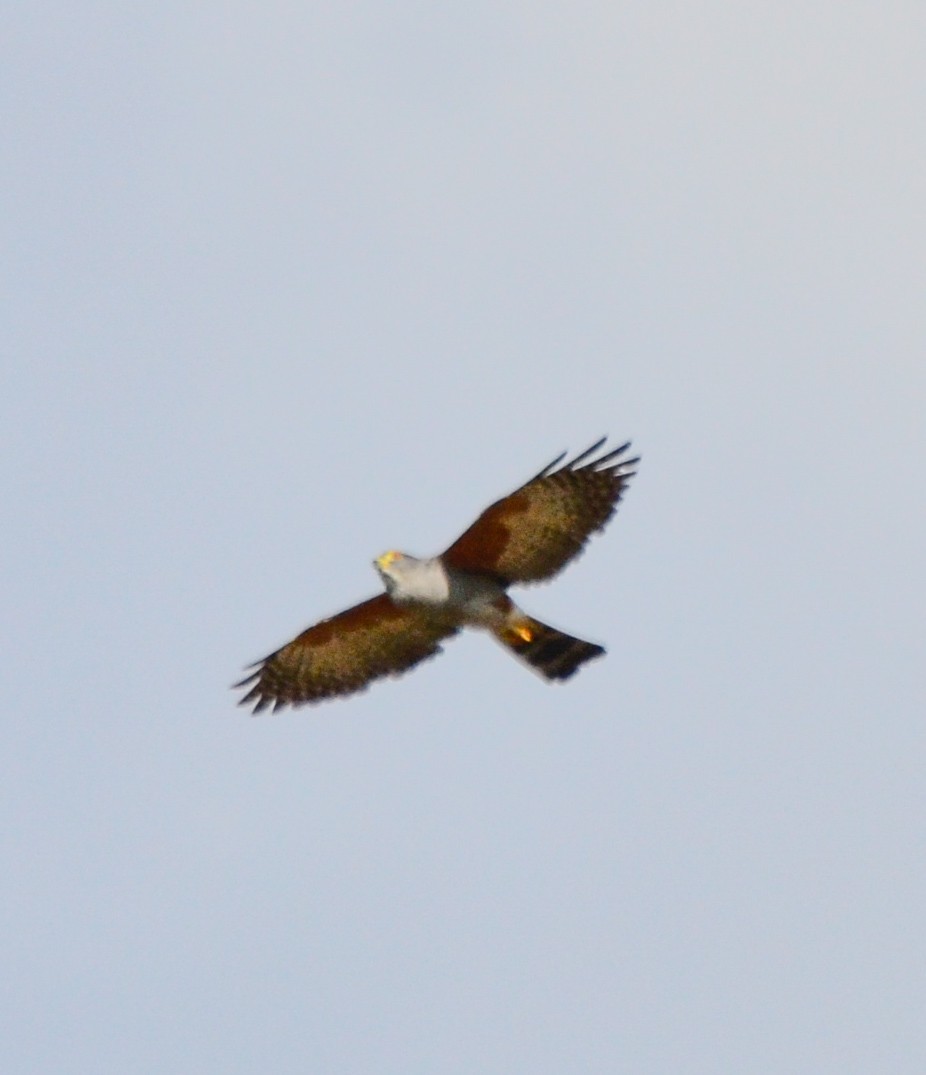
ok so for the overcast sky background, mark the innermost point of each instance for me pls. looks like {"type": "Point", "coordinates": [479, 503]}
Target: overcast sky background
{"type": "Point", "coordinates": [286, 286]}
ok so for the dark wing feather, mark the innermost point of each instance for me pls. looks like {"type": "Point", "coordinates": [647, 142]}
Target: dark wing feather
{"type": "Point", "coordinates": [531, 534]}
{"type": "Point", "coordinates": [341, 655]}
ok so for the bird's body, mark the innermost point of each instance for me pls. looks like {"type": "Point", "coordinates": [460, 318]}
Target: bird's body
{"type": "Point", "coordinates": [411, 581]}
{"type": "Point", "coordinates": [480, 601]}
{"type": "Point", "coordinates": [528, 536]}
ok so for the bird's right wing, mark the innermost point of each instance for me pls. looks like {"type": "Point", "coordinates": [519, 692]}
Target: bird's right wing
{"type": "Point", "coordinates": [341, 655]}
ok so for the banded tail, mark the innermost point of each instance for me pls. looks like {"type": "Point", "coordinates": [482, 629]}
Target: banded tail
{"type": "Point", "coordinates": [553, 653]}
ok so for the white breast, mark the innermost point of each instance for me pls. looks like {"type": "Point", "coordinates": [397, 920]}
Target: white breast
{"type": "Point", "coordinates": [418, 580]}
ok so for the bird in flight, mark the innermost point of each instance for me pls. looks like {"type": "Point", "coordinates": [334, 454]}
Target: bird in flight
{"type": "Point", "coordinates": [528, 536]}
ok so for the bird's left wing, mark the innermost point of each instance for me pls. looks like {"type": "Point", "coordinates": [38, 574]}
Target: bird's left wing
{"type": "Point", "coordinates": [531, 534]}
{"type": "Point", "coordinates": [341, 655]}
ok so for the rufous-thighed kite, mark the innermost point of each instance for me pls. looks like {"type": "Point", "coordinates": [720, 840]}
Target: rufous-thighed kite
{"type": "Point", "coordinates": [528, 536]}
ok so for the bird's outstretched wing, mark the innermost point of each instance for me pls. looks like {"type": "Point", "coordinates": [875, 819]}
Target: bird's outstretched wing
{"type": "Point", "coordinates": [343, 654]}
{"type": "Point", "coordinates": [532, 533]}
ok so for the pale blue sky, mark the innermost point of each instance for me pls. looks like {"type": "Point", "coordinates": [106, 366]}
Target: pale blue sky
{"type": "Point", "coordinates": [288, 286]}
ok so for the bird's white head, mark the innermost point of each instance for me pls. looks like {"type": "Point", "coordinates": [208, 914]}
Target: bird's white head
{"type": "Point", "coordinates": [388, 559]}
{"type": "Point", "coordinates": [389, 566]}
